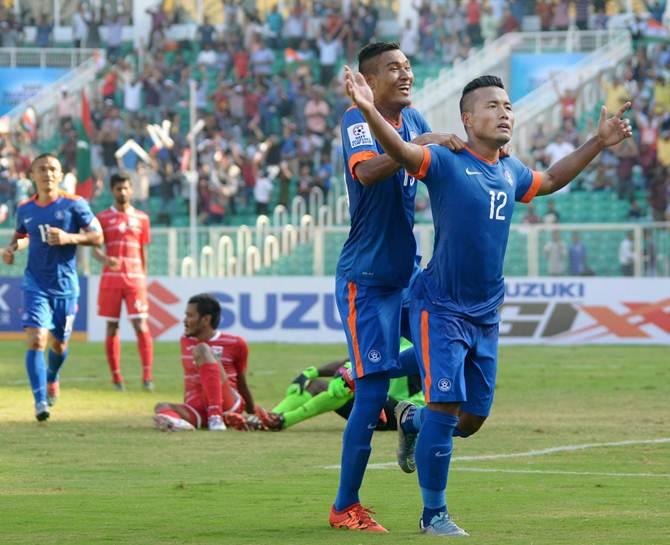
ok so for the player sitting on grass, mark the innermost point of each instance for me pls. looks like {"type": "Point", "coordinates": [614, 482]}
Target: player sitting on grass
{"type": "Point", "coordinates": [215, 384]}
{"type": "Point", "coordinates": [307, 396]}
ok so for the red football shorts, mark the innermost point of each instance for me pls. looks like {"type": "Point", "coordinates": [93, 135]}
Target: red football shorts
{"type": "Point", "coordinates": [109, 302]}
{"type": "Point", "coordinates": [197, 408]}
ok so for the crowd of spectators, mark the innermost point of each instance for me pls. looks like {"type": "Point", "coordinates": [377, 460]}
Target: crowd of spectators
{"type": "Point", "coordinates": [269, 96]}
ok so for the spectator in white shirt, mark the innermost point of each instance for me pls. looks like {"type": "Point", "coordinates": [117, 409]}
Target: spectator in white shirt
{"type": "Point", "coordinates": [329, 51]}
{"type": "Point", "coordinates": [79, 27]}
{"type": "Point", "coordinates": [132, 93]}
{"type": "Point", "coordinates": [207, 56]}
{"type": "Point", "coordinates": [556, 254]}
{"type": "Point", "coordinates": [627, 255]}
{"type": "Point", "coordinates": [409, 40]}
{"type": "Point", "coordinates": [262, 193]}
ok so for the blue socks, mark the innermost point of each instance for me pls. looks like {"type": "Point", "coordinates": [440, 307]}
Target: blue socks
{"type": "Point", "coordinates": [55, 363]}
{"type": "Point", "coordinates": [413, 419]}
{"type": "Point", "coordinates": [371, 391]}
{"type": "Point", "coordinates": [433, 454]}
{"type": "Point", "coordinates": [37, 374]}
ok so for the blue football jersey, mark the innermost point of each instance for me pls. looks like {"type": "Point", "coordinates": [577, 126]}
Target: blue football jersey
{"type": "Point", "coordinates": [52, 269]}
{"type": "Point", "coordinates": [380, 248]}
{"type": "Point", "coordinates": [472, 201]}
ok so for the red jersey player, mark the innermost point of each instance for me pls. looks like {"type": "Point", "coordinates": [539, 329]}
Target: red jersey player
{"type": "Point", "coordinates": [127, 232]}
{"type": "Point", "coordinates": [215, 384]}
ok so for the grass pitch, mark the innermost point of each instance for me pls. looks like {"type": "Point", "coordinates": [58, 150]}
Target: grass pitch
{"type": "Point", "coordinates": [98, 473]}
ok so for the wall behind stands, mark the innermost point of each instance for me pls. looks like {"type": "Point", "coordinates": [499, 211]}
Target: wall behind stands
{"type": "Point", "coordinates": [303, 310]}
{"type": "Point", "coordinates": [528, 71]}
{"type": "Point", "coordinates": [19, 84]}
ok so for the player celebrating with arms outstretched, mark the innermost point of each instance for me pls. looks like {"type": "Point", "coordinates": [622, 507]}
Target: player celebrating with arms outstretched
{"type": "Point", "coordinates": [49, 224]}
{"type": "Point", "coordinates": [124, 278]}
{"type": "Point", "coordinates": [376, 263]}
{"type": "Point", "coordinates": [455, 301]}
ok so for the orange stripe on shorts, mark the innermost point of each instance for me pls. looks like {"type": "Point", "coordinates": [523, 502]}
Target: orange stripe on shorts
{"type": "Point", "coordinates": [425, 354]}
{"type": "Point", "coordinates": [351, 322]}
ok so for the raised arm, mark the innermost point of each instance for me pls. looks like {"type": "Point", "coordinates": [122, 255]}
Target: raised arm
{"type": "Point", "coordinates": [406, 154]}
{"type": "Point", "coordinates": [611, 131]}
{"type": "Point", "coordinates": [378, 168]}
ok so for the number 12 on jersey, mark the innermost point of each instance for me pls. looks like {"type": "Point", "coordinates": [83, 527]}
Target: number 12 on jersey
{"type": "Point", "coordinates": [495, 212]}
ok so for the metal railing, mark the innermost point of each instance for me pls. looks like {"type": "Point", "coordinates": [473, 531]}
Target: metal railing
{"type": "Point", "coordinates": [50, 57]}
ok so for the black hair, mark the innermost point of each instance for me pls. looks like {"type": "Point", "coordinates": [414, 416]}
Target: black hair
{"type": "Point", "coordinates": [478, 83]}
{"type": "Point", "coordinates": [43, 156]}
{"type": "Point", "coordinates": [372, 51]}
{"type": "Point", "coordinates": [118, 178]}
{"type": "Point", "coordinates": [207, 304]}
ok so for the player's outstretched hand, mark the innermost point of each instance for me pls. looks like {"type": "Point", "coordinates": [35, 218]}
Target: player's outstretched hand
{"type": "Point", "coordinates": [8, 255]}
{"type": "Point", "coordinates": [57, 237]}
{"type": "Point", "coordinates": [451, 141]}
{"type": "Point", "coordinates": [613, 130]}
{"type": "Point", "coordinates": [358, 89]}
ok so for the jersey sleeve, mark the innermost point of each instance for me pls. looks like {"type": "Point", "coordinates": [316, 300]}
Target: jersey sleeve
{"type": "Point", "coordinates": [84, 218]}
{"type": "Point", "coordinates": [528, 181]}
{"type": "Point", "coordinates": [146, 231]}
{"type": "Point", "coordinates": [357, 141]}
{"type": "Point", "coordinates": [436, 162]}
{"type": "Point", "coordinates": [21, 230]}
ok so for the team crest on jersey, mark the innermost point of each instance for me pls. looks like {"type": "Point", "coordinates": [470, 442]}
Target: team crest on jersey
{"type": "Point", "coordinates": [508, 177]}
{"type": "Point", "coordinates": [59, 214]}
{"type": "Point", "coordinates": [444, 385]}
{"type": "Point", "coordinates": [217, 350]}
{"type": "Point", "coordinates": [122, 227]}
{"type": "Point", "coordinates": [412, 134]}
{"type": "Point", "coordinates": [133, 222]}
{"type": "Point", "coordinates": [374, 356]}
{"type": "Point", "coordinates": [359, 135]}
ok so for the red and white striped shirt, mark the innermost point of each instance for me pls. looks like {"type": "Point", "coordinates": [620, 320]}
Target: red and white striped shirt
{"type": "Point", "coordinates": [230, 350]}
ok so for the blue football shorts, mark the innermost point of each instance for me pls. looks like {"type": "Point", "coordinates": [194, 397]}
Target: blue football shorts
{"type": "Point", "coordinates": [56, 314]}
{"type": "Point", "coordinates": [458, 359]}
{"type": "Point", "coordinates": [371, 319]}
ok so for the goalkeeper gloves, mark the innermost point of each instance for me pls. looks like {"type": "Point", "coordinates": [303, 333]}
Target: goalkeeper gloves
{"type": "Point", "coordinates": [343, 384]}
{"type": "Point", "coordinates": [297, 387]}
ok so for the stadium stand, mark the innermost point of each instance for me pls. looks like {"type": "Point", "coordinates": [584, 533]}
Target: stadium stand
{"type": "Point", "coordinates": [267, 90]}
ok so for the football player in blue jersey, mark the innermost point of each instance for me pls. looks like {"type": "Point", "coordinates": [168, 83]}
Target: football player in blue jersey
{"type": "Point", "coordinates": [454, 307]}
{"type": "Point", "coordinates": [376, 262]}
{"type": "Point", "coordinates": [50, 225]}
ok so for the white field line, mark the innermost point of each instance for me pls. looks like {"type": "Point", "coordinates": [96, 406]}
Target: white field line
{"type": "Point", "coordinates": [559, 472]}
{"type": "Point", "coordinates": [530, 453]}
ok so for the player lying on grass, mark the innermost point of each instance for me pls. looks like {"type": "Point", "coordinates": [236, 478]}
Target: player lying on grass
{"type": "Point", "coordinates": [216, 393]}
{"type": "Point", "coordinates": [51, 225]}
{"type": "Point", "coordinates": [308, 396]}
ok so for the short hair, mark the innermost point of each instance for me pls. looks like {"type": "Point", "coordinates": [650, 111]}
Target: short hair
{"type": "Point", "coordinates": [206, 304]}
{"type": "Point", "coordinates": [372, 51]}
{"type": "Point", "coordinates": [478, 83]}
{"type": "Point", "coordinates": [44, 156]}
{"type": "Point", "coordinates": [118, 178]}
